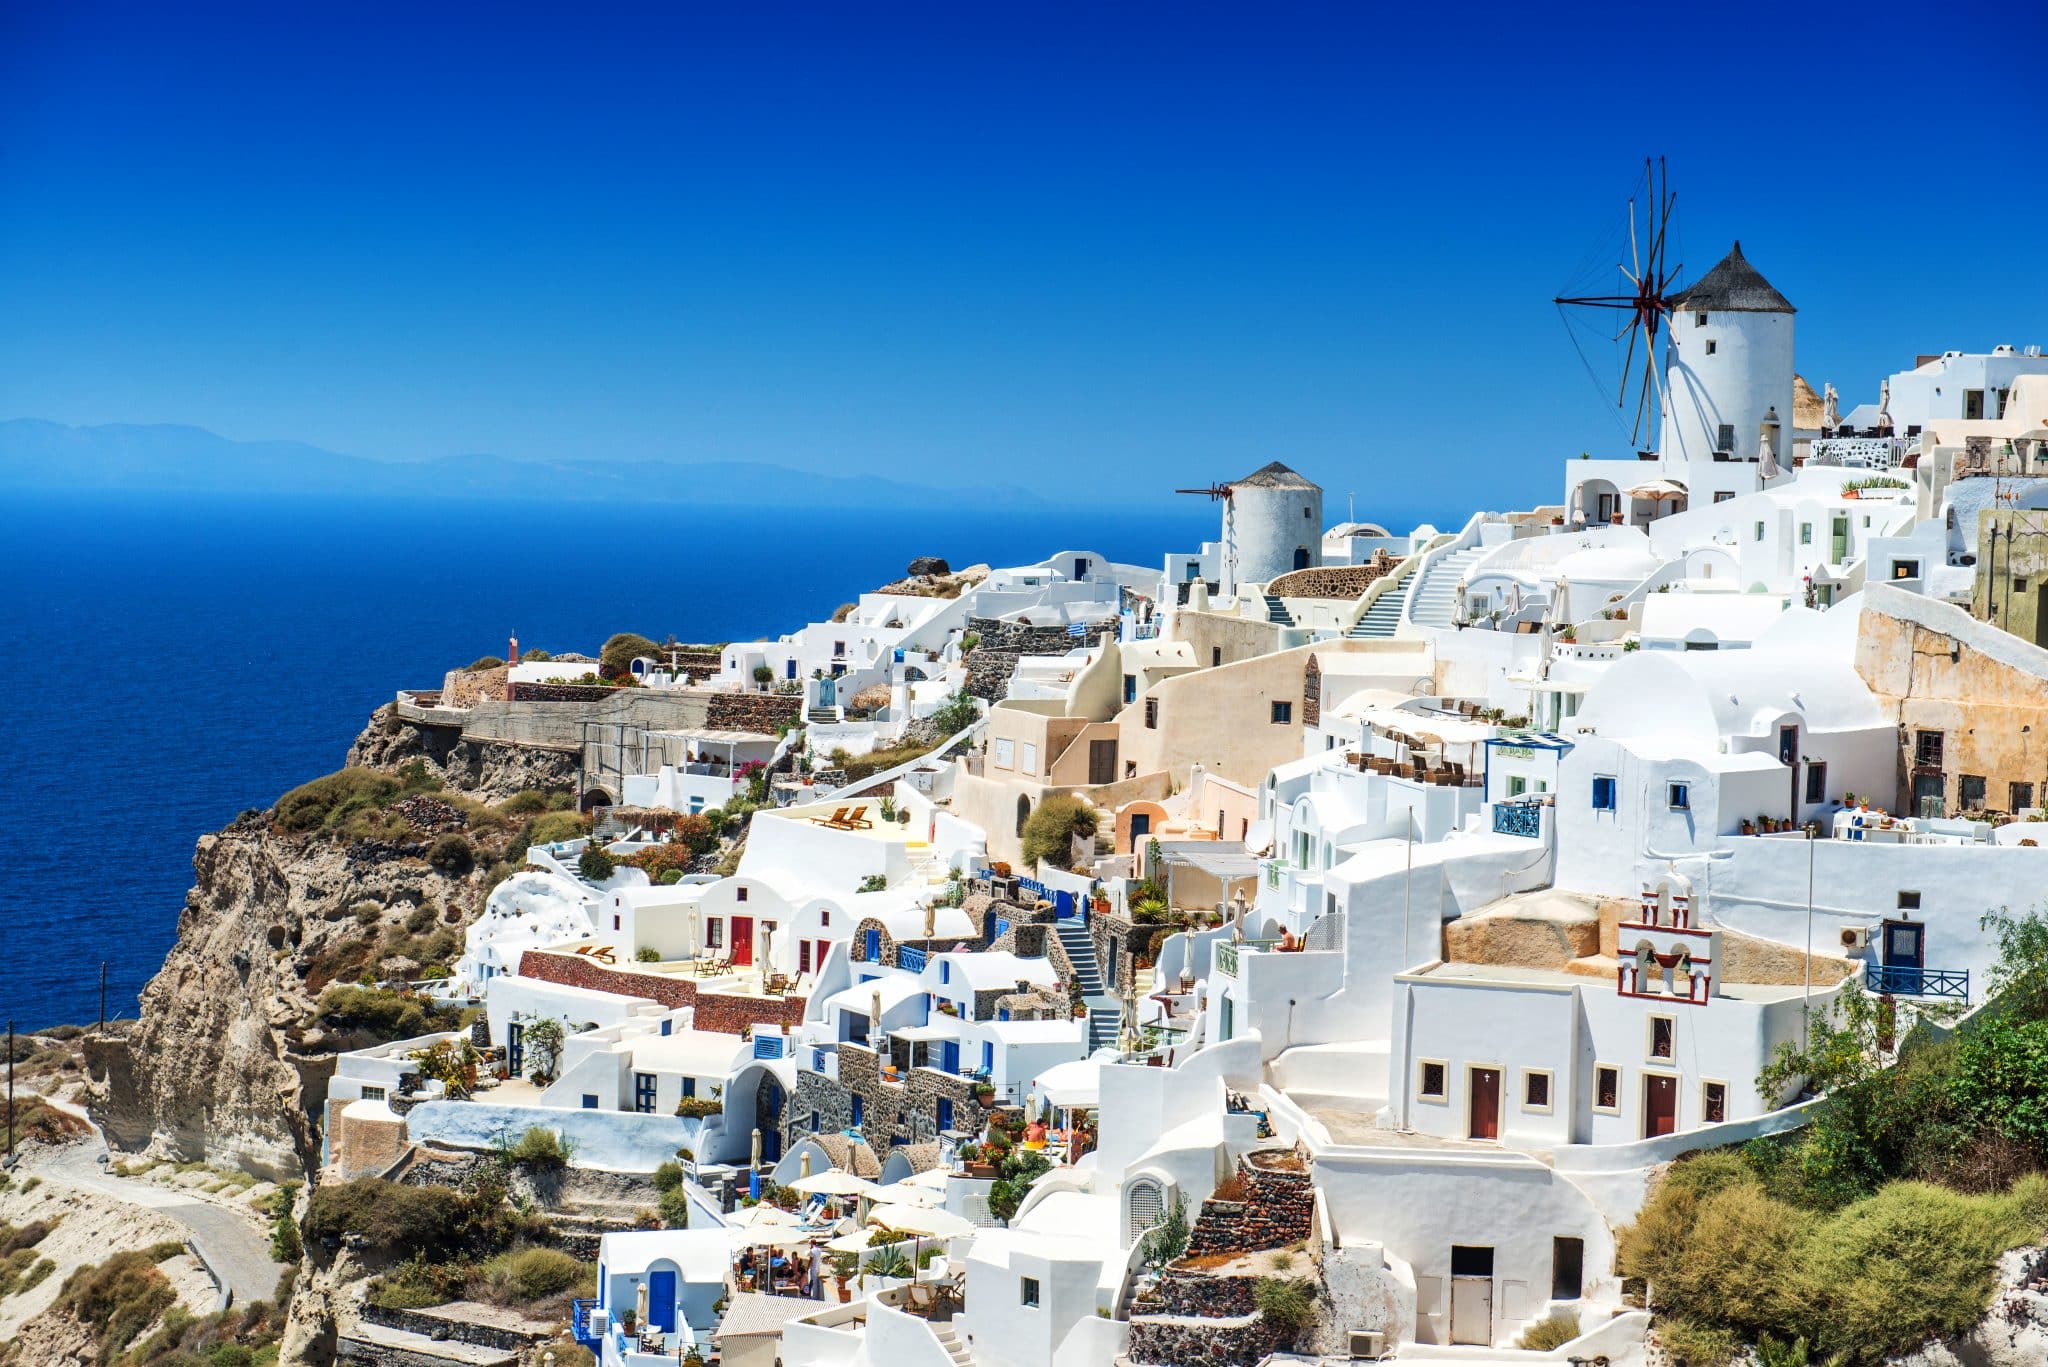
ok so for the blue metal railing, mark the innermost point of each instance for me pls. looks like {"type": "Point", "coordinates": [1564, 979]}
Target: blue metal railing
{"type": "Point", "coordinates": [1518, 818]}
{"type": "Point", "coordinates": [579, 1323]}
{"type": "Point", "coordinates": [767, 1046]}
{"type": "Point", "coordinates": [911, 957]}
{"type": "Point", "coordinates": [1900, 981]}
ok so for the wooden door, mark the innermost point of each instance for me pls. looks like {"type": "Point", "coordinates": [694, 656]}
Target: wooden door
{"type": "Point", "coordinates": [1102, 761]}
{"type": "Point", "coordinates": [742, 940]}
{"type": "Point", "coordinates": [1485, 1122]}
{"type": "Point", "coordinates": [1660, 1105]}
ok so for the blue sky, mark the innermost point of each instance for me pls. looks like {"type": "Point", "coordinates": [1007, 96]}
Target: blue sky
{"type": "Point", "coordinates": [1141, 245]}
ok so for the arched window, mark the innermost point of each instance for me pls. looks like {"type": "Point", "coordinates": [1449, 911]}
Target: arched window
{"type": "Point", "coordinates": [1023, 813]}
{"type": "Point", "coordinates": [1148, 1206]}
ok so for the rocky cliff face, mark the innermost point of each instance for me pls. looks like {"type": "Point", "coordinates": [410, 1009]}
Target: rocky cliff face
{"type": "Point", "coordinates": [227, 1062]}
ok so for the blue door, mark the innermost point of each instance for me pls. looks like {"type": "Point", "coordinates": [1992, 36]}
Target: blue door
{"type": "Point", "coordinates": [945, 1113]}
{"type": "Point", "coordinates": [661, 1300]}
{"type": "Point", "coordinates": [988, 1059]}
{"type": "Point", "coordinates": [949, 1057]}
{"type": "Point", "coordinates": [872, 949]}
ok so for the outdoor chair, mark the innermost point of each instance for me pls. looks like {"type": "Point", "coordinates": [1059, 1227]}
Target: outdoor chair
{"type": "Point", "coordinates": [837, 818]}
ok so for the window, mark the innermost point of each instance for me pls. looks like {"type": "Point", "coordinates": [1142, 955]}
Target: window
{"type": "Point", "coordinates": [1151, 714]}
{"type": "Point", "coordinates": [824, 917]}
{"type": "Point", "coordinates": [1724, 438]}
{"type": "Point", "coordinates": [1429, 1083]}
{"type": "Point", "coordinates": [667, 1027]}
{"type": "Point", "coordinates": [1806, 533]}
{"type": "Point", "coordinates": [689, 1086]}
{"type": "Point", "coordinates": [1713, 1102]}
{"type": "Point", "coordinates": [1535, 1089]}
{"type": "Point", "coordinates": [590, 1101]}
{"type": "Point", "coordinates": [714, 934]}
{"type": "Point", "coordinates": [1028, 760]}
{"type": "Point", "coordinates": [1567, 1269]}
{"type": "Point", "coordinates": [1927, 748]}
{"type": "Point", "coordinates": [615, 920]}
{"type": "Point", "coordinates": [1215, 656]}
{"type": "Point", "coordinates": [643, 1093]}
{"type": "Point", "coordinates": [860, 1108]}
{"type": "Point", "coordinates": [1517, 785]}
{"type": "Point", "coordinates": [1006, 754]}
{"type": "Point", "coordinates": [1607, 1088]}
{"type": "Point", "coordinates": [1603, 794]}
{"type": "Point", "coordinates": [1130, 688]}
{"type": "Point", "coordinates": [1194, 569]}
{"type": "Point", "coordinates": [803, 956]}
{"type": "Point", "coordinates": [815, 1119]}
{"type": "Point", "coordinates": [1679, 797]}
{"type": "Point", "coordinates": [1283, 713]}
{"type": "Point", "coordinates": [1909, 901]}
{"type": "Point", "coordinates": [1027, 1290]}
{"type": "Point", "coordinates": [1710, 346]}
{"type": "Point", "coordinates": [1722, 496]}
{"type": "Point", "coordinates": [1971, 792]}
{"type": "Point", "coordinates": [1663, 1037]}
{"type": "Point", "coordinates": [1759, 532]}
{"type": "Point", "coordinates": [1816, 782]}
{"type": "Point", "coordinates": [1905, 569]}
{"type": "Point", "coordinates": [740, 893]}
{"type": "Point", "coordinates": [2022, 797]}
{"type": "Point", "coordinates": [1699, 320]}
{"type": "Point", "coordinates": [373, 1093]}
{"type": "Point", "coordinates": [838, 649]}
{"type": "Point", "coordinates": [1471, 1261]}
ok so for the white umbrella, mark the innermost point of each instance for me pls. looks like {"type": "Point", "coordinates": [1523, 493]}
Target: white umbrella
{"type": "Point", "coordinates": [762, 1214]}
{"type": "Point", "coordinates": [930, 1177]}
{"type": "Point", "coordinates": [769, 1236]}
{"type": "Point", "coordinates": [903, 1194]}
{"type": "Point", "coordinates": [856, 1242]}
{"type": "Point", "coordinates": [835, 1182]}
{"type": "Point", "coordinates": [939, 1224]}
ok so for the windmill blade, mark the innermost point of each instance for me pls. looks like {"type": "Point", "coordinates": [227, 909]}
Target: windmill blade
{"type": "Point", "coordinates": [1628, 362]}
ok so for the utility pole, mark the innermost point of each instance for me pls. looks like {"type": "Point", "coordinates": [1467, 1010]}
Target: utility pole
{"type": "Point", "coordinates": [103, 996]}
{"type": "Point", "coordinates": [10, 1089]}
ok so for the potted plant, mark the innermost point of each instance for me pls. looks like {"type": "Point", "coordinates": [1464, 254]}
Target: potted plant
{"type": "Point", "coordinates": [845, 1267]}
{"type": "Point", "coordinates": [1748, 826]}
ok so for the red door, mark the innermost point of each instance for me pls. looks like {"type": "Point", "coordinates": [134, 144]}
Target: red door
{"type": "Point", "coordinates": [1660, 1105]}
{"type": "Point", "coordinates": [1485, 1104]}
{"type": "Point", "coordinates": [742, 940]}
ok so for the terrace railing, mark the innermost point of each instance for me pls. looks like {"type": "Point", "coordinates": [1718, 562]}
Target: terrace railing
{"type": "Point", "coordinates": [1518, 818]}
{"type": "Point", "coordinates": [911, 957]}
{"type": "Point", "coordinates": [1900, 981]}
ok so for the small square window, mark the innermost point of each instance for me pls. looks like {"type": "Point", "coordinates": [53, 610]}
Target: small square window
{"type": "Point", "coordinates": [1027, 1290]}
{"type": "Point", "coordinates": [2019, 584]}
{"type": "Point", "coordinates": [1699, 320]}
{"type": "Point", "coordinates": [1283, 713]}
{"type": "Point", "coordinates": [2022, 797]}
{"type": "Point", "coordinates": [1679, 797]}
{"type": "Point", "coordinates": [1535, 1090]}
{"type": "Point", "coordinates": [740, 894]}
{"type": "Point", "coordinates": [1970, 791]}
{"type": "Point", "coordinates": [1606, 1088]}
{"type": "Point", "coordinates": [824, 917]}
{"type": "Point", "coordinates": [1711, 344]}
{"type": "Point", "coordinates": [1713, 1102]}
{"type": "Point", "coordinates": [1909, 901]}
{"type": "Point", "coordinates": [1806, 533]}
{"type": "Point", "coordinates": [1151, 714]}
{"type": "Point", "coordinates": [1663, 1037]}
{"type": "Point", "coordinates": [1430, 1080]}
{"type": "Point", "coordinates": [1603, 794]}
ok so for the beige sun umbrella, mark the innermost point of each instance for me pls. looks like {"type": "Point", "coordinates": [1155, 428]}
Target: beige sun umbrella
{"type": "Point", "coordinates": [836, 1182]}
{"type": "Point", "coordinates": [938, 1224]}
{"type": "Point", "coordinates": [901, 1193]}
{"type": "Point", "coordinates": [763, 1214]}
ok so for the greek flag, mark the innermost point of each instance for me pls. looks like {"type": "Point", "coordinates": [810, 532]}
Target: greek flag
{"type": "Point", "coordinates": [1077, 628]}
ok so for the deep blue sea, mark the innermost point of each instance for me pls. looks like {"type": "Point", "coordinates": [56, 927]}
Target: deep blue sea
{"type": "Point", "coordinates": [177, 660]}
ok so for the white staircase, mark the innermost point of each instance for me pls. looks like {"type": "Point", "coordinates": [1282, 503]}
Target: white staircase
{"type": "Point", "coordinates": [1436, 598]}
{"type": "Point", "coordinates": [1383, 616]}
{"type": "Point", "coordinates": [949, 1339]}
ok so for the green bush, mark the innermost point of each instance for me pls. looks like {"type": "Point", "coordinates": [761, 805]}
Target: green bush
{"type": "Point", "coordinates": [1554, 1330]}
{"type": "Point", "coordinates": [484, 662]}
{"type": "Point", "coordinates": [594, 864]}
{"type": "Point", "coordinates": [120, 1298]}
{"type": "Point", "coordinates": [956, 714]}
{"type": "Point", "coordinates": [647, 954]}
{"type": "Point", "coordinates": [285, 1245]}
{"type": "Point", "coordinates": [699, 1107]}
{"type": "Point", "coordinates": [383, 1013]}
{"type": "Point", "coordinates": [890, 1262]}
{"type": "Point", "coordinates": [540, 1148]}
{"type": "Point", "coordinates": [1050, 829]}
{"type": "Point", "coordinates": [1286, 1303]}
{"type": "Point", "coordinates": [532, 802]}
{"type": "Point", "coordinates": [327, 800]}
{"type": "Point", "coordinates": [549, 828]}
{"type": "Point", "coordinates": [525, 1275]}
{"type": "Point", "coordinates": [430, 1223]}
{"type": "Point", "coordinates": [616, 656]}
{"type": "Point", "coordinates": [452, 855]}
{"type": "Point", "coordinates": [875, 882]}
{"type": "Point", "coordinates": [674, 1208]}
{"type": "Point", "coordinates": [668, 1176]}
{"type": "Point", "coordinates": [416, 1284]}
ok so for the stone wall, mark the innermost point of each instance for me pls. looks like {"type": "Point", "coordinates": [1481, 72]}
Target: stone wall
{"type": "Point", "coordinates": [1342, 582]}
{"type": "Point", "coordinates": [556, 692]}
{"type": "Point", "coordinates": [1178, 1341]}
{"type": "Point", "coordinates": [1275, 1207]}
{"type": "Point", "coordinates": [994, 658]}
{"type": "Point", "coordinates": [907, 1110]}
{"type": "Point", "coordinates": [446, 1326]}
{"type": "Point", "coordinates": [760, 713]}
{"type": "Point", "coordinates": [886, 947]}
{"type": "Point", "coordinates": [718, 1011]}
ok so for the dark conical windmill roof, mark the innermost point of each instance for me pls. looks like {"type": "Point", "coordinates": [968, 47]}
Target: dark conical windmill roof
{"type": "Point", "coordinates": [1734, 286]}
{"type": "Point", "coordinates": [1274, 475]}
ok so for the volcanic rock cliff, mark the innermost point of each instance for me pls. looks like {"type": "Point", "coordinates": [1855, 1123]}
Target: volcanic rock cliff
{"type": "Point", "coordinates": [230, 1059]}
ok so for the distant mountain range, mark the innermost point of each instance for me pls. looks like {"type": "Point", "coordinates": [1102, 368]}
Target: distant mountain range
{"type": "Point", "coordinates": [162, 457]}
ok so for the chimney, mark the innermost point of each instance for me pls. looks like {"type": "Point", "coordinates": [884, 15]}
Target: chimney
{"type": "Point", "coordinates": [512, 651]}
{"type": "Point", "coordinates": [931, 922]}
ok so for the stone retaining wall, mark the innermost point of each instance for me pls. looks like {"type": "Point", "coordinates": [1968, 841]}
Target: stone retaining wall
{"type": "Point", "coordinates": [554, 692]}
{"type": "Point", "coordinates": [714, 1010]}
{"type": "Point", "coordinates": [1278, 1208]}
{"type": "Point", "coordinates": [451, 1327]}
{"type": "Point", "coordinates": [1180, 1342]}
{"type": "Point", "coordinates": [760, 713]}
{"type": "Point", "coordinates": [994, 658]}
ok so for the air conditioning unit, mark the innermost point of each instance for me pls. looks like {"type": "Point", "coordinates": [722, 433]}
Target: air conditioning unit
{"type": "Point", "coordinates": [1856, 937]}
{"type": "Point", "coordinates": [1369, 1344]}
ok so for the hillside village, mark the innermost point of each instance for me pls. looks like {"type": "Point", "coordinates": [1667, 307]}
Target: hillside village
{"type": "Point", "coordinates": [1329, 942]}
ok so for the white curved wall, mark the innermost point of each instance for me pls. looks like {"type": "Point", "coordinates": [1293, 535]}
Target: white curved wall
{"type": "Point", "coordinates": [1749, 373]}
{"type": "Point", "coordinates": [1271, 525]}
